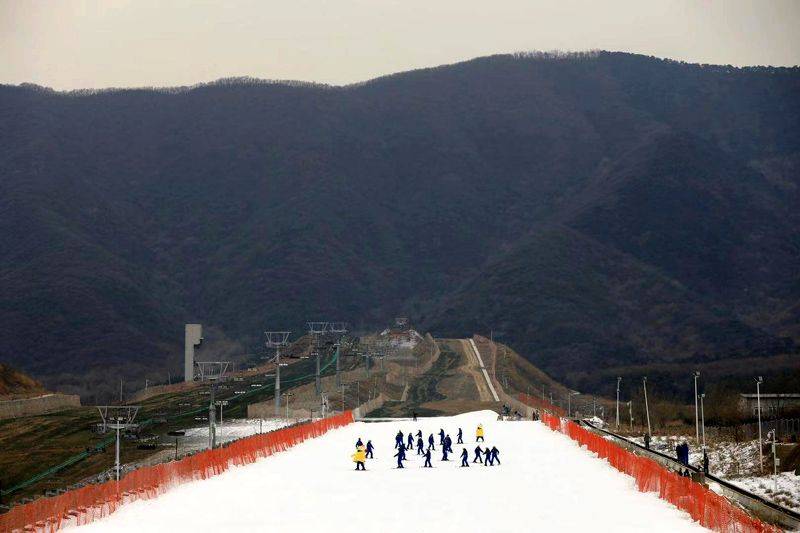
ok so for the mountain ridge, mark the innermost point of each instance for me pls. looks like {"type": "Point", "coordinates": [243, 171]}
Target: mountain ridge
{"type": "Point", "coordinates": [125, 214]}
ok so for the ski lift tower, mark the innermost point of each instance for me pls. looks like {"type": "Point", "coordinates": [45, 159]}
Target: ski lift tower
{"type": "Point", "coordinates": [118, 417]}
{"type": "Point", "coordinates": [213, 372]}
{"type": "Point", "coordinates": [277, 340]}
{"type": "Point", "coordinates": [339, 329]}
{"type": "Point", "coordinates": [316, 329]}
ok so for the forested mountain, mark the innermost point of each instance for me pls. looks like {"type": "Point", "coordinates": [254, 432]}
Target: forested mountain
{"type": "Point", "coordinates": [608, 213]}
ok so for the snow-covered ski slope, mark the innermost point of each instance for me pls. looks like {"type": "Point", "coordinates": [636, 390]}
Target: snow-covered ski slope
{"type": "Point", "coordinates": [545, 483]}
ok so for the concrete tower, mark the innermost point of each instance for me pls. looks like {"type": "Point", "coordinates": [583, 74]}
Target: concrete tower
{"type": "Point", "coordinates": [194, 338]}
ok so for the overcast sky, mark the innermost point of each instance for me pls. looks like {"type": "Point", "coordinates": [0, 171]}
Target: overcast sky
{"type": "Point", "coordinates": [68, 44]}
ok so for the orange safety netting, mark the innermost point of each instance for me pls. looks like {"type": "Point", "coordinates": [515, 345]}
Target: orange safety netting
{"type": "Point", "coordinates": [540, 404]}
{"type": "Point", "coordinates": [706, 507]}
{"type": "Point", "coordinates": [92, 502]}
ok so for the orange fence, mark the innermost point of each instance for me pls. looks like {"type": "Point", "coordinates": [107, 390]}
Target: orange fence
{"type": "Point", "coordinates": [92, 502]}
{"type": "Point", "coordinates": [706, 507]}
{"type": "Point", "coordinates": [540, 404]}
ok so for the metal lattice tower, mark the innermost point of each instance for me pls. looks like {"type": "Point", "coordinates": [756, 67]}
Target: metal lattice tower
{"type": "Point", "coordinates": [277, 340]}
{"type": "Point", "coordinates": [118, 417]}
{"type": "Point", "coordinates": [316, 329]}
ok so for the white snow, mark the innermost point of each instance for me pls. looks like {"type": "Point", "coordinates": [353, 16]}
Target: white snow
{"type": "Point", "coordinates": [545, 482]}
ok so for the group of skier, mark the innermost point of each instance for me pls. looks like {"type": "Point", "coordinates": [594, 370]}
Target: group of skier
{"type": "Point", "coordinates": [487, 457]}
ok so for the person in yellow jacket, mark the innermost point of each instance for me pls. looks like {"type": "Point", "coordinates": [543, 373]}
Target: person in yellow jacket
{"type": "Point", "coordinates": [479, 433]}
{"type": "Point", "coordinates": [359, 458]}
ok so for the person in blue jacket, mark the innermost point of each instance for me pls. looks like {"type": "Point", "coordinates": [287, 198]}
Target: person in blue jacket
{"type": "Point", "coordinates": [444, 454]}
{"type": "Point", "coordinates": [495, 455]}
{"type": "Point", "coordinates": [401, 456]}
{"type": "Point", "coordinates": [441, 436]}
{"type": "Point", "coordinates": [430, 442]}
{"type": "Point", "coordinates": [464, 457]}
{"type": "Point", "coordinates": [398, 440]}
{"type": "Point", "coordinates": [478, 455]}
{"type": "Point", "coordinates": [419, 434]}
{"type": "Point", "coordinates": [448, 443]}
{"type": "Point", "coordinates": [359, 443]}
{"type": "Point", "coordinates": [410, 445]}
{"type": "Point", "coordinates": [427, 459]}
{"type": "Point", "coordinates": [420, 447]}
{"type": "Point", "coordinates": [369, 449]}
{"type": "Point", "coordinates": [487, 457]}
{"type": "Point", "coordinates": [460, 440]}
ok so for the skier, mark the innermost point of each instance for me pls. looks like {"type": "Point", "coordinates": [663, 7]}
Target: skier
{"type": "Point", "coordinates": [410, 445]}
{"type": "Point", "coordinates": [419, 434]}
{"type": "Point", "coordinates": [441, 436]}
{"type": "Point", "coordinates": [479, 433]}
{"type": "Point", "coordinates": [398, 440]}
{"type": "Point", "coordinates": [415, 416]}
{"type": "Point", "coordinates": [444, 454]}
{"type": "Point", "coordinates": [478, 455]}
{"type": "Point", "coordinates": [401, 456]}
{"type": "Point", "coordinates": [459, 437]}
{"type": "Point", "coordinates": [464, 457]}
{"type": "Point", "coordinates": [495, 455]}
{"type": "Point", "coordinates": [430, 442]}
{"type": "Point", "coordinates": [448, 443]}
{"type": "Point", "coordinates": [359, 443]}
{"type": "Point", "coordinates": [420, 447]}
{"type": "Point", "coordinates": [427, 459]}
{"type": "Point", "coordinates": [487, 457]}
{"type": "Point", "coordinates": [369, 449]}
{"type": "Point", "coordinates": [359, 458]}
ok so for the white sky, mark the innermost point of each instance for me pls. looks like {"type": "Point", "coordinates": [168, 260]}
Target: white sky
{"type": "Point", "coordinates": [68, 44]}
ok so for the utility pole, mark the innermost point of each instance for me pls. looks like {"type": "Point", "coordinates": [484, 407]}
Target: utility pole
{"type": "Point", "coordinates": [759, 381]}
{"type": "Point", "coordinates": [343, 387]}
{"type": "Point", "coordinates": [619, 379]}
{"type": "Point", "coordinates": [212, 412]}
{"type": "Point", "coordinates": [287, 395]}
{"type": "Point", "coordinates": [696, 420]}
{"type": "Point", "coordinates": [703, 421]}
{"type": "Point", "coordinates": [646, 406]}
{"type": "Point", "coordinates": [339, 329]}
{"type": "Point", "coordinates": [775, 461]}
{"type": "Point", "coordinates": [316, 329]}
{"type": "Point", "coordinates": [277, 339]}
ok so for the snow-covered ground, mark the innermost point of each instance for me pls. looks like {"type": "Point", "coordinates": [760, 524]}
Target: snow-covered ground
{"type": "Point", "coordinates": [545, 482]}
{"type": "Point", "coordinates": [783, 489]}
{"type": "Point", "coordinates": [197, 438]}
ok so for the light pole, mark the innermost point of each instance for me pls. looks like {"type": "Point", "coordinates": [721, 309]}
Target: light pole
{"type": "Point", "coordinates": [703, 421]}
{"type": "Point", "coordinates": [696, 420]}
{"type": "Point", "coordinates": [759, 381]}
{"type": "Point", "coordinates": [646, 406]}
{"type": "Point", "coordinates": [630, 413]}
{"type": "Point", "coordinates": [570, 394]}
{"type": "Point", "coordinates": [619, 379]}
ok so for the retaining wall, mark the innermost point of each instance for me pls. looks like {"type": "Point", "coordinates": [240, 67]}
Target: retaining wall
{"type": "Point", "coordinates": [48, 403]}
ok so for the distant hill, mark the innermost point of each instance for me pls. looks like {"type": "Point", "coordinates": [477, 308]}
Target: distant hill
{"type": "Point", "coordinates": [601, 211]}
{"type": "Point", "coordinates": [15, 383]}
